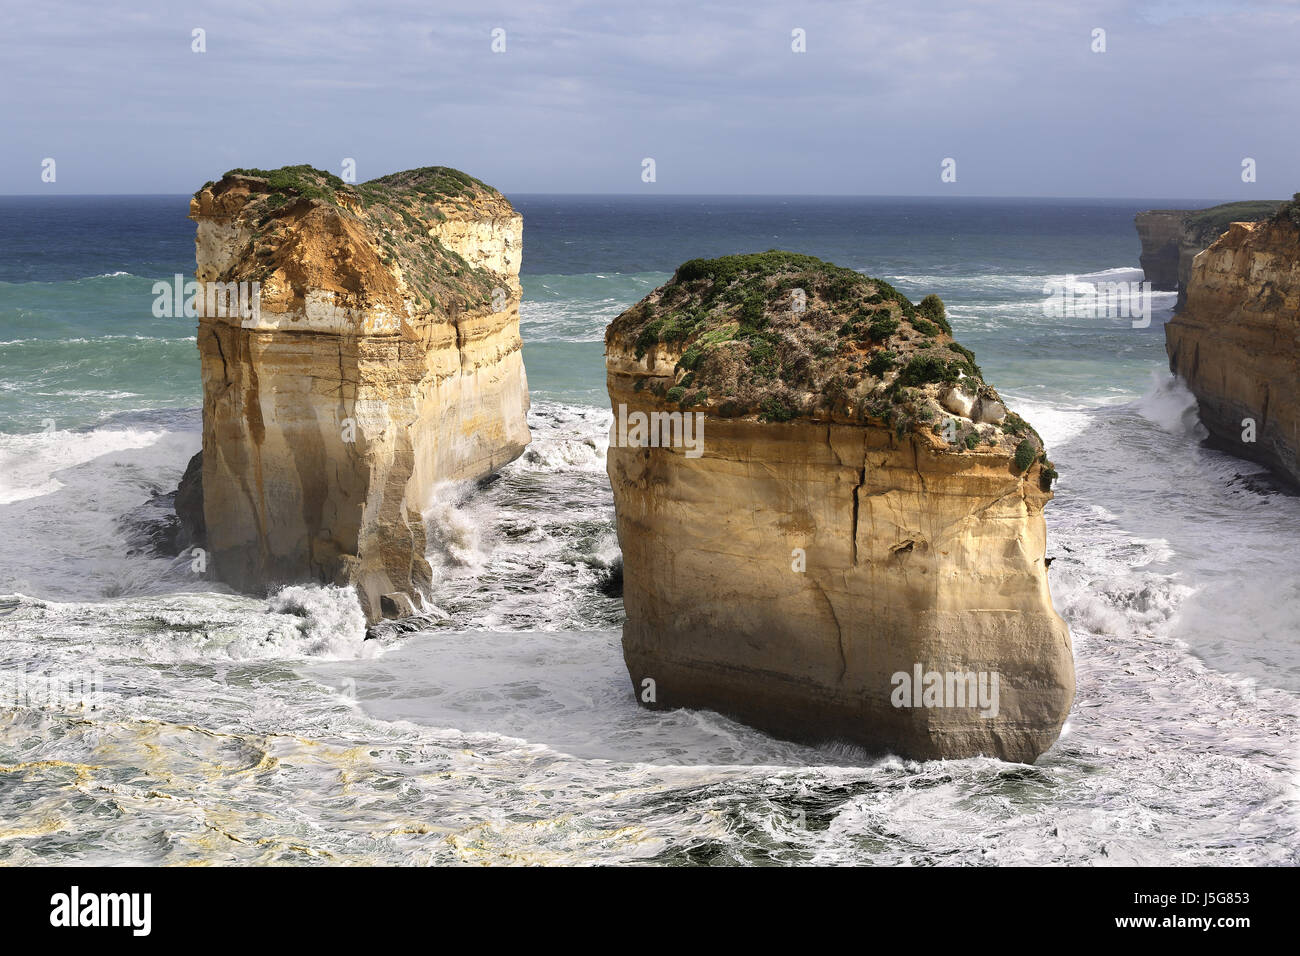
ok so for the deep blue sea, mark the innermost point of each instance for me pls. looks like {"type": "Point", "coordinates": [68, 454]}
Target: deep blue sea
{"type": "Point", "coordinates": [233, 729]}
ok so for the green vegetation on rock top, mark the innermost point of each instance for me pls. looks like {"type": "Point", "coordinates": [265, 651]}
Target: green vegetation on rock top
{"type": "Point", "coordinates": [301, 180]}
{"type": "Point", "coordinates": [434, 184]}
{"type": "Point", "coordinates": [1213, 222]}
{"type": "Point", "coordinates": [1289, 211]}
{"type": "Point", "coordinates": [782, 335]}
{"type": "Point", "coordinates": [400, 212]}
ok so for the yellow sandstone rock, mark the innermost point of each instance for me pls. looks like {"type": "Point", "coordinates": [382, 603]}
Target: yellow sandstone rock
{"type": "Point", "coordinates": [842, 557]}
{"type": "Point", "coordinates": [1237, 341]}
{"type": "Point", "coordinates": [381, 357]}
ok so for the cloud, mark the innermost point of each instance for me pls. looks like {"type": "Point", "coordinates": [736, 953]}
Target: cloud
{"type": "Point", "coordinates": [584, 91]}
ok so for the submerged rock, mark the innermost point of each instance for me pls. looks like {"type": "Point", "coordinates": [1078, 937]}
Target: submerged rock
{"type": "Point", "coordinates": [824, 552]}
{"type": "Point", "coordinates": [379, 356]}
{"type": "Point", "coordinates": [610, 580]}
{"type": "Point", "coordinates": [1237, 341]}
{"type": "Point", "coordinates": [169, 522]}
{"type": "Point", "coordinates": [189, 504]}
{"type": "Point", "coordinates": [152, 528]}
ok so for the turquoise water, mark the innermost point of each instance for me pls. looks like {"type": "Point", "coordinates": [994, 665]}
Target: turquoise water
{"type": "Point", "coordinates": [237, 729]}
{"type": "Point", "coordinates": [79, 343]}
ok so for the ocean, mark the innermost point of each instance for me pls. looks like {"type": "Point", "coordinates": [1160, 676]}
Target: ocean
{"type": "Point", "coordinates": [223, 728]}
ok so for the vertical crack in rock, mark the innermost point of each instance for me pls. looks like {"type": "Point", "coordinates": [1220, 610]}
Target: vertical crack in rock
{"type": "Point", "coordinates": [221, 353]}
{"type": "Point", "coordinates": [857, 508]}
{"type": "Point", "coordinates": [839, 630]}
{"type": "Point", "coordinates": [916, 463]}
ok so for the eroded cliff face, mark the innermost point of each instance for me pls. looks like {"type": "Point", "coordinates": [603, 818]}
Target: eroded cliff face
{"type": "Point", "coordinates": [860, 506]}
{"type": "Point", "coordinates": [1237, 342]}
{"type": "Point", "coordinates": [1173, 238]}
{"type": "Point", "coordinates": [382, 358]}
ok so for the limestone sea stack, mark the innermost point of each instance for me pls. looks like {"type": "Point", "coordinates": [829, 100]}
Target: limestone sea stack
{"type": "Point", "coordinates": [1237, 341]}
{"type": "Point", "coordinates": [847, 540]}
{"type": "Point", "coordinates": [1172, 238]}
{"type": "Point", "coordinates": [380, 357]}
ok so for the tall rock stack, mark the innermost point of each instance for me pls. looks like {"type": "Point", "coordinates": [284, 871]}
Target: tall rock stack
{"type": "Point", "coordinates": [1237, 341]}
{"type": "Point", "coordinates": [379, 356]}
{"type": "Point", "coordinates": [1161, 233]}
{"type": "Point", "coordinates": [848, 541]}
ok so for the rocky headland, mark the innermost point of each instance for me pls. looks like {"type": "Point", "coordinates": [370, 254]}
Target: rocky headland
{"type": "Point", "coordinates": [847, 542]}
{"type": "Point", "coordinates": [1236, 343]}
{"type": "Point", "coordinates": [1172, 238]}
{"type": "Point", "coordinates": [380, 357]}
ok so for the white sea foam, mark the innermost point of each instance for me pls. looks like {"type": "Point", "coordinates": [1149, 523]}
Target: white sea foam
{"type": "Point", "coordinates": [570, 440]}
{"type": "Point", "coordinates": [304, 621]}
{"type": "Point", "coordinates": [1056, 423]}
{"type": "Point", "coordinates": [577, 308]}
{"type": "Point", "coordinates": [333, 624]}
{"type": "Point", "coordinates": [1116, 274]}
{"type": "Point", "coordinates": [457, 526]}
{"type": "Point", "coordinates": [36, 464]}
{"type": "Point", "coordinates": [212, 698]}
{"type": "Point", "coordinates": [62, 342]}
{"type": "Point", "coordinates": [569, 689]}
{"type": "Point", "coordinates": [1172, 406]}
{"type": "Point", "coordinates": [61, 496]}
{"type": "Point", "coordinates": [980, 283]}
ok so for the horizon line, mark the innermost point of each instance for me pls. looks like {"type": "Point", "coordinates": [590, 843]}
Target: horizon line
{"type": "Point", "coordinates": [700, 195]}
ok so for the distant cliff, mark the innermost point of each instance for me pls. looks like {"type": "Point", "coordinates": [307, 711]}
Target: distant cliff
{"type": "Point", "coordinates": [1237, 341]}
{"type": "Point", "coordinates": [1172, 238]}
{"type": "Point", "coordinates": [380, 357]}
{"type": "Point", "coordinates": [852, 518]}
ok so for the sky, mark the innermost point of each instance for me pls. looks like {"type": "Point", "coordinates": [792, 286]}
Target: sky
{"type": "Point", "coordinates": [577, 96]}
